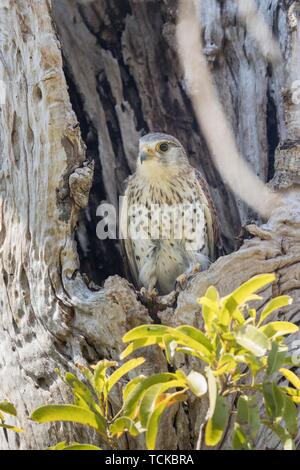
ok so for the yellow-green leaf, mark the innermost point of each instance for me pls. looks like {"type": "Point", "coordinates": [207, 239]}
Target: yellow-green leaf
{"type": "Point", "coordinates": [140, 343]}
{"type": "Point", "coordinates": [145, 331]}
{"type": "Point", "coordinates": [131, 385]}
{"type": "Point", "coordinates": [77, 446]}
{"type": "Point", "coordinates": [170, 346]}
{"type": "Point", "coordinates": [274, 304]}
{"type": "Point", "coordinates": [76, 414]}
{"type": "Point", "coordinates": [134, 397]}
{"type": "Point", "coordinates": [151, 396]}
{"type": "Point", "coordinates": [210, 306]}
{"type": "Point", "coordinates": [278, 328]}
{"type": "Point", "coordinates": [276, 358]}
{"type": "Point", "coordinates": [80, 390]}
{"type": "Point", "coordinates": [291, 377]}
{"type": "Point", "coordinates": [100, 374]}
{"type": "Point", "coordinates": [123, 424]}
{"type": "Point", "coordinates": [121, 371]}
{"type": "Point", "coordinates": [73, 446]}
{"type": "Point", "coordinates": [253, 340]}
{"type": "Point", "coordinates": [8, 408]}
{"type": "Point", "coordinates": [153, 421]}
{"type": "Point", "coordinates": [240, 295]}
{"type": "Point", "coordinates": [196, 335]}
{"type": "Point", "coordinates": [11, 428]}
{"type": "Point", "coordinates": [216, 425]}
{"type": "Point", "coordinates": [192, 352]}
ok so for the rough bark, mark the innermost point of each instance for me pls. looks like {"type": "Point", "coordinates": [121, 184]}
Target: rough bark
{"type": "Point", "coordinates": [120, 75]}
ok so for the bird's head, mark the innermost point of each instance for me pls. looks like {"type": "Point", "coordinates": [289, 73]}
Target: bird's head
{"type": "Point", "coordinates": [158, 153]}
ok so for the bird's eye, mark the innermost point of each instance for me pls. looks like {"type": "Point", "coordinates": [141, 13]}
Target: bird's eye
{"type": "Point", "coordinates": [163, 147]}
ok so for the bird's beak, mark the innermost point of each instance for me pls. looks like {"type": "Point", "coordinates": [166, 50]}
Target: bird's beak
{"type": "Point", "coordinates": [146, 153]}
{"type": "Point", "coordinates": [144, 156]}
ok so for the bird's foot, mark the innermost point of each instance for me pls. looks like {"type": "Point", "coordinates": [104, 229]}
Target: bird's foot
{"type": "Point", "coordinates": [148, 295]}
{"type": "Point", "coordinates": [182, 280]}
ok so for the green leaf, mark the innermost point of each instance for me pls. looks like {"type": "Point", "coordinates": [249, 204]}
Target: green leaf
{"type": "Point", "coordinates": [269, 399]}
{"type": "Point", "coordinates": [183, 335]}
{"type": "Point", "coordinates": [253, 340]}
{"type": "Point", "coordinates": [197, 383]}
{"type": "Point", "coordinates": [227, 362]}
{"type": "Point", "coordinates": [73, 446]}
{"type": "Point", "coordinates": [252, 313]}
{"type": "Point", "coordinates": [140, 343]}
{"type": "Point", "coordinates": [239, 439]}
{"type": "Point", "coordinates": [192, 352]}
{"type": "Point", "coordinates": [293, 392]}
{"type": "Point", "coordinates": [59, 446]}
{"type": "Point", "coordinates": [279, 400]}
{"type": "Point", "coordinates": [153, 421]}
{"type": "Point", "coordinates": [100, 374]}
{"type": "Point", "coordinates": [283, 434]}
{"type": "Point", "coordinates": [134, 397]}
{"type": "Point", "coordinates": [239, 317]}
{"type": "Point", "coordinates": [278, 328]}
{"type": "Point", "coordinates": [274, 304]}
{"type": "Point", "coordinates": [170, 347]}
{"type": "Point", "coordinates": [76, 414]}
{"type": "Point", "coordinates": [210, 307]}
{"type": "Point", "coordinates": [82, 447]}
{"type": "Point", "coordinates": [11, 428]}
{"type": "Point", "coordinates": [290, 416]}
{"type": "Point", "coordinates": [291, 377]}
{"type": "Point", "coordinates": [198, 344]}
{"type": "Point", "coordinates": [151, 396]}
{"type": "Point", "coordinates": [248, 416]}
{"type": "Point", "coordinates": [240, 295]}
{"type": "Point", "coordinates": [196, 335]}
{"type": "Point", "coordinates": [124, 424]}
{"type": "Point", "coordinates": [8, 408]}
{"type": "Point", "coordinates": [121, 371]}
{"type": "Point", "coordinates": [145, 331]}
{"type": "Point", "coordinates": [131, 386]}
{"type": "Point", "coordinates": [217, 424]}
{"type": "Point", "coordinates": [81, 391]}
{"type": "Point", "coordinates": [276, 358]}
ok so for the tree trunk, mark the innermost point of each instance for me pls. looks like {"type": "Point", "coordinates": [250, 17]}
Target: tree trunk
{"type": "Point", "coordinates": [85, 79]}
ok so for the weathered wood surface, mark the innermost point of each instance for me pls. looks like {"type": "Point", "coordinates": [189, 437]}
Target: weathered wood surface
{"type": "Point", "coordinates": [123, 78]}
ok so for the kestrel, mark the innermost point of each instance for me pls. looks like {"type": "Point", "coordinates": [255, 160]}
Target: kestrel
{"type": "Point", "coordinates": [168, 221]}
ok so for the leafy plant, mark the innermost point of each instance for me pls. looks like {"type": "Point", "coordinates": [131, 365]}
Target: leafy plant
{"type": "Point", "coordinates": [7, 408]}
{"type": "Point", "coordinates": [91, 406]}
{"type": "Point", "coordinates": [243, 357]}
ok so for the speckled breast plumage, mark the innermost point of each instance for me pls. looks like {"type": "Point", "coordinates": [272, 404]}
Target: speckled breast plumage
{"type": "Point", "coordinates": [161, 260]}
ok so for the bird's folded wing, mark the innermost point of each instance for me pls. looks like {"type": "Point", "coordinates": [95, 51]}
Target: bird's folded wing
{"type": "Point", "coordinates": [130, 266]}
{"type": "Point", "coordinates": [213, 228]}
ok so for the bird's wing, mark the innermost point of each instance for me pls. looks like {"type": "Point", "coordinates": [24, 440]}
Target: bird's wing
{"type": "Point", "coordinates": [213, 229]}
{"type": "Point", "coordinates": [131, 269]}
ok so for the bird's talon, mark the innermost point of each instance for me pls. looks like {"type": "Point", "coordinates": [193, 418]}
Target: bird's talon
{"type": "Point", "coordinates": [148, 295]}
{"type": "Point", "coordinates": [181, 281]}
{"type": "Point", "coordinates": [196, 269]}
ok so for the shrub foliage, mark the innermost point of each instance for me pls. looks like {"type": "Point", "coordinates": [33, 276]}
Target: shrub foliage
{"type": "Point", "coordinates": [244, 360]}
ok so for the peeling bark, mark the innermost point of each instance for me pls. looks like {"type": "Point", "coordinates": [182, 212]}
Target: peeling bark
{"type": "Point", "coordinates": [114, 64]}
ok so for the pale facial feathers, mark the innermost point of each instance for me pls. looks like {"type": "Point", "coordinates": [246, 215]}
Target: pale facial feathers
{"type": "Point", "coordinates": [159, 153]}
